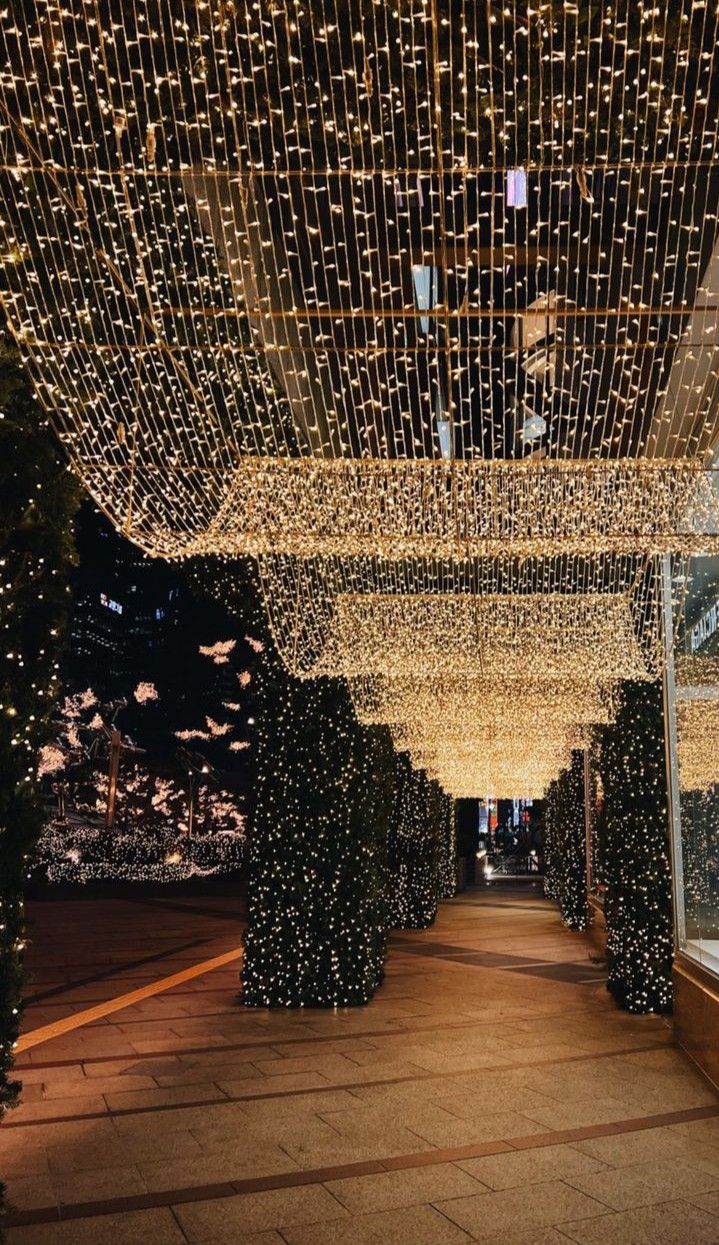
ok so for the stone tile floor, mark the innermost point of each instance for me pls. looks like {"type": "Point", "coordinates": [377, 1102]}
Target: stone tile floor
{"type": "Point", "coordinates": [491, 1092]}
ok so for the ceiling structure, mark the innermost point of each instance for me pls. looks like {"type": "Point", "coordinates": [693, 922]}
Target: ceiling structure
{"type": "Point", "coordinates": [465, 617]}
{"type": "Point", "coordinates": [414, 301]}
{"type": "Point", "coordinates": [468, 725]}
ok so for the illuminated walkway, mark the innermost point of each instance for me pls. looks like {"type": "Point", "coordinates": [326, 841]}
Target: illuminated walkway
{"type": "Point", "coordinates": [491, 1092]}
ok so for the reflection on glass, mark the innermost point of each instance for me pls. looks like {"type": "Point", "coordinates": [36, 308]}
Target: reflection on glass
{"type": "Point", "coordinates": [697, 732]}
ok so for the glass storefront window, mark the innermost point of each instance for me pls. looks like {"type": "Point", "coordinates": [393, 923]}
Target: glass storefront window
{"type": "Point", "coordinates": [693, 710]}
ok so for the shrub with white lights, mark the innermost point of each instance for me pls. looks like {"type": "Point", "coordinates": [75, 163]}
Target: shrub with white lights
{"type": "Point", "coordinates": [78, 854]}
{"type": "Point", "coordinates": [634, 845]}
{"type": "Point", "coordinates": [417, 848]}
{"type": "Point", "coordinates": [565, 846]}
{"type": "Point", "coordinates": [36, 547]}
{"type": "Point", "coordinates": [317, 884]}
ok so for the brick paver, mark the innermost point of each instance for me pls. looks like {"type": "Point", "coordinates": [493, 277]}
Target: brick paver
{"type": "Point", "coordinates": [473, 1099]}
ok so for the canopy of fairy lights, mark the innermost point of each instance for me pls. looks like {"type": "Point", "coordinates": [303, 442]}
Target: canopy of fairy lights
{"type": "Point", "coordinates": [505, 764]}
{"type": "Point", "coordinates": [417, 304]}
{"type": "Point", "coordinates": [335, 271]}
{"type": "Point", "coordinates": [562, 618]}
{"type": "Point", "coordinates": [507, 773]}
{"type": "Point", "coordinates": [569, 635]}
{"type": "Point", "coordinates": [461, 736]}
{"type": "Point", "coordinates": [411, 705]}
{"type": "Point", "coordinates": [488, 673]}
{"type": "Point", "coordinates": [499, 736]}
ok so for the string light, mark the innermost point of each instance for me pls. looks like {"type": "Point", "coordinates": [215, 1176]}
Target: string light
{"type": "Point", "coordinates": [404, 280]}
{"type": "Point", "coordinates": [412, 705]}
{"type": "Point", "coordinates": [633, 849]}
{"type": "Point", "coordinates": [317, 864]}
{"type": "Point", "coordinates": [359, 289]}
{"type": "Point", "coordinates": [565, 845]}
{"type": "Point", "coordinates": [82, 854]}
{"type": "Point", "coordinates": [570, 636]}
{"type": "Point", "coordinates": [420, 842]}
{"type": "Point", "coordinates": [374, 616]}
{"type": "Point", "coordinates": [371, 283]}
{"type": "Point", "coordinates": [40, 502]}
{"type": "Point", "coordinates": [439, 650]}
{"type": "Point", "coordinates": [697, 720]}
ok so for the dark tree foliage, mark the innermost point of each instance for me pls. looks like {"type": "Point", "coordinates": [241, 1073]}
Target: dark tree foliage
{"type": "Point", "coordinates": [346, 840]}
{"type": "Point", "coordinates": [565, 845]}
{"type": "Point", "coordinates": [634, 844]}
{"type": "Point", "coordinates": [39, 500]}
{"type": "Point", "coordinates": [448, 848]}
{"type": "Point", "coordinates": [419, 847]}
{"type": "Point", "coordinates": [317, 906]}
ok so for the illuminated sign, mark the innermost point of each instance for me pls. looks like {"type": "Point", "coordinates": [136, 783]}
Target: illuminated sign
{"type": "Point", "coordinates": [110, 604]}
{"type": "Point", "coordinates": [706, 627]}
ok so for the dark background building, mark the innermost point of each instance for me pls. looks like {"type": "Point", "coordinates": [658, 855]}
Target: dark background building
{"type": "Point", "coordinates": [137, 620]}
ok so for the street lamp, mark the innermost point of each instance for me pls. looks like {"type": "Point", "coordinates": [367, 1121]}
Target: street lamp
{"type": "Point", "coordinates": [197, 768]}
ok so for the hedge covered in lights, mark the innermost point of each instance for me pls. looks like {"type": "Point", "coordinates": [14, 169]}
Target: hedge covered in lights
{"type": "Point", "coordinates": [77, 854]}
{"type": "Point", "coordinates": [565, 844]}
{"type": "Point", "coordinates": [418, 848]}
{"type": "Point", "coordinates": [317, 883]}
{"type": "Point", "coordinates": [448, 847]}
{"type": "Point", "coordinates": [39, 500]}
{"type": "Point", "coordinates": [633, 842]}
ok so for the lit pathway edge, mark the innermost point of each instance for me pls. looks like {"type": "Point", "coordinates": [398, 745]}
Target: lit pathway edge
{"type": "Point", "coordinates": [66, 1025]}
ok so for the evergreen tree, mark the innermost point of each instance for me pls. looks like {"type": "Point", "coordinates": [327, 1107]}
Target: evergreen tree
{"type": "Point", "coordinates": [36, 537]}
{"type": "Point", "coordinates": [565, 845]}
{"type": "Point", "coordinates": [635, 850]}
{"type": "Point", "coordinates": [317, 885]}
{"type": "Point", "coordinates": [416, 848]}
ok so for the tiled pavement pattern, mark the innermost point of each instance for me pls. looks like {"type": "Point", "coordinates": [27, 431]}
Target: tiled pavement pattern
{"type": "Point", "coordinates": [491, 1092]}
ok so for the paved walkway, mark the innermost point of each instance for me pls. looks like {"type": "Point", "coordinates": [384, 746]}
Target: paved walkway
{"type": "Point", "coordinates": [491, 1092]}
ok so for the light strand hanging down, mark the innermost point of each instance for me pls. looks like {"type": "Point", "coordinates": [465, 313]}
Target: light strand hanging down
{"type": "Point", "coordinates": [698, 744]}
{"type": "Point", "coordinates": [390, 292]}
{"type": "Point", "coordinates": [567, 618]}
{"type": "Point", "coordinates": [412, 508]}
{"type": "Point", "coordinates": [426, 233]}
{"type": "Point", "coordinates": [417, 704]}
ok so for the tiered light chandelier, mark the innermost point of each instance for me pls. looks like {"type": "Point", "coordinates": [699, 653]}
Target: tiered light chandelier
{"type": "Point", "coordinates": [495, 734]}
{"type": "Point", "coordinates": [380, 294]}
{"type": "Point", "coordinates": [412, 705]}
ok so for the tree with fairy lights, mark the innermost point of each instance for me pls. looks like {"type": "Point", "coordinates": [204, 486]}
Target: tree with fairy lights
{"type": "Point", "coordinates": [317, 907]}
{"type": "Point", "coordinates": [167, 818]}
{"type": "Point", "coordinates": [36, 535]}
{"type": "Point", "coordinates": [417, 848]}
{"type": "Point", "coordinates": [448, 847]}
{"type": "Point", "coordinates": [634, 844]}
{"type": "Point", "coordinates": [346, 838]}
{"type": "Point", "coordinates": [565, 845]}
